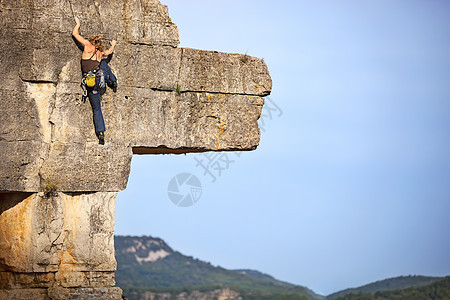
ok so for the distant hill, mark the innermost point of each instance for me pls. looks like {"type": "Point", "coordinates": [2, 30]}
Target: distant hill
{"type": "Point", "coordinates": [147, 264]}
{"type": "Point", "coordinates": [149, 269]}
{"type": "Point", "coordinates": [261, 276]}
{"type": "Point", "coordinates": [437, 290]}
{"type": "Point", "coordinates": [390, 284]}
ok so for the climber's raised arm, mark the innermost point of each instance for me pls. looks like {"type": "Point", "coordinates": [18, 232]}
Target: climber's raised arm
{"type": "Point", "coordinates": [111, 49]}
{"type": "Point", "coordinates": [77, 35]}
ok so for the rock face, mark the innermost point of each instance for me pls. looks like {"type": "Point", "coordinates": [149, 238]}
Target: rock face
{"type": "Point", "coordinates": [220, 294]}
{"type": "Point", "coordinates": [59, 245]}
{"type": "Point", "coordinates": [46, 131]}
{"type": "Point", "coordinates": [57, 242]}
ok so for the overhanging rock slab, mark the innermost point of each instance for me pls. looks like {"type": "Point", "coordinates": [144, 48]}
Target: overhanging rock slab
{"type": "Point", "coordinates": [59, 245]}
{"type": "Point", "coordinates": [169, 98]}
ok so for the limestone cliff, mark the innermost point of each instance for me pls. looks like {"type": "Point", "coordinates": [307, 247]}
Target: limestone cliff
{"type": "Point", "coordinates": [60, 245]}
{"type": "Point", "coordinates": [170, 100]}
{"type": "Point", "coordinates": [46, 131]}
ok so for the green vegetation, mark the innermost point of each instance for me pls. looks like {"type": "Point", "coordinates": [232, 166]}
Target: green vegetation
{"type": "Point", "coordinates": [177, 273]}
{"type": "Point", "coordinates": [245, 58]}
{"type": "Point", "coordinates": [50, 188]}
{"type": "Point", "coordinates": [139, 293]}
{"type": "Point", "coordinates": [439, 290]}
{"type": "Point", "coordinates": [401, 282]}
{"type": "Point", "coordinates": [278, 296]}
{"type": "Point", "coordinates": [174, 273]}
{"type": "Point", "coordinates": [178, 89]}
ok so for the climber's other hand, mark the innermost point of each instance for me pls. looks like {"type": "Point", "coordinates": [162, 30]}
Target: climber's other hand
{"type": "Point", "coordinates": [113, 42]}
{"type": "Point", "coordinates": [77, 20]}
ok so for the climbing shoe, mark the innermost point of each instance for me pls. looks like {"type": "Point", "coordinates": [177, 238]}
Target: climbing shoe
{"type": "Point", "coordinates": [101, 138]}
{"type": "Point", "coordinates": [114, 86]}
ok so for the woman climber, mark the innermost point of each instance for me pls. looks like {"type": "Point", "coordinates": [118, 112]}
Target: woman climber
{"type": "Point", "coordinates": [92, 65]}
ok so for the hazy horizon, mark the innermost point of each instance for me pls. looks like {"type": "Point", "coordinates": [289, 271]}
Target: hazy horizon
{"type": "Point", "coordinates": [350, 183]}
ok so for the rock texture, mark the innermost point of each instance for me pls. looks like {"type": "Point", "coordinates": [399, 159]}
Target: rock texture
{"type": "Point", "coordinates": [46, 131]}
{"type": "Point", "coordinates": [63, 241]}
{"type": "Point", "coordinates": [220, 294]}
{"type": "Point", "coordinates": [59, 245]}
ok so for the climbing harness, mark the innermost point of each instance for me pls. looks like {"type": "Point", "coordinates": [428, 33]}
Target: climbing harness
{"type": "Point", "coordinates": [90, 81]}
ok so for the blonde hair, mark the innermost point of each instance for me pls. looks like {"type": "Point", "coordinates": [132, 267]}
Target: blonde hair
{"type": "Point", "coordinates": [96, 41]}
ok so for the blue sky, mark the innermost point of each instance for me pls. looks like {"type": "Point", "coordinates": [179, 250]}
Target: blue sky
{"type": "Point", "coordinates": [351, 184]}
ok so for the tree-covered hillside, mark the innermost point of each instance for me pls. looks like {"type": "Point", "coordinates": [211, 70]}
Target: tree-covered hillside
{"type": "Point", "coordinates": [149, 269]}
{"type": "Point", "coordinates": [396, 283]}
{"type": "Point", "coordinates": [438, 290]}
{"type": "Point", "coordinates": [149, 264]}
